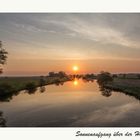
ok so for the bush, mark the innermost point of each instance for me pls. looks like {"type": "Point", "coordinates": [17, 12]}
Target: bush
{"type": "Point", "coordinates": [104, 77]}
{"type": "Point", "coordinates": [6, 92]}
{"type": "Point", "coordinates": [30, 87]}
{"type": "Point", "coordinates": [6, 88]}
{"type": "Point", "coordinates": [42, 81]}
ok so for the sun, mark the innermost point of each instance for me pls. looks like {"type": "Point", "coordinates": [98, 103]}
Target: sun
{"type": "Point", "coordinates": [75, 68]}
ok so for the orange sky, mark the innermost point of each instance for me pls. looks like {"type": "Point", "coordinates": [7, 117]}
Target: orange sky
{"type": "Point", "coordinates": [39, 43]}
{"type": "Point", "coordinates": [42, 67]}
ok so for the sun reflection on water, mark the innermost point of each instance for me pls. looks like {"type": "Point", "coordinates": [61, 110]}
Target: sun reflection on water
{"type": "Point", "coordinates": [75, 82]}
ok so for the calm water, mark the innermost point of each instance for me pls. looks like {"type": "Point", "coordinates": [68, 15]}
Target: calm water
{"type": "Point", "coordinates": [75, 103]}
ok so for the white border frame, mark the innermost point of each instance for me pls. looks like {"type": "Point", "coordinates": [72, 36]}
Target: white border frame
{"type": "Point", "coordinates": [66, 6]}
{"type": "Point", "coordinates": [70, 6]}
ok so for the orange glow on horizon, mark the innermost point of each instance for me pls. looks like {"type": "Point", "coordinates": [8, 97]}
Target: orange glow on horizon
{"type": "Point", "coordinates": [39, 67]}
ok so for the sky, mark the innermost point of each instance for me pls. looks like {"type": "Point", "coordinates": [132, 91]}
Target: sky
{"type": "Point", "coordinates": [39, 43]}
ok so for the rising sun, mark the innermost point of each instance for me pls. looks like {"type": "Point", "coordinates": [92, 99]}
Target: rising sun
{"type": "Point", "coordinates": [75, 68]}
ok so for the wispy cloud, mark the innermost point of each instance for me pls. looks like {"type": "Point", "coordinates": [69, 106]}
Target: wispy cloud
{"type": "Point", "coordinates": [112, 115]}
{"type": "Point", "coordinates": [32, 28]}
{"type": "Point", "coordinates": [97, 33]}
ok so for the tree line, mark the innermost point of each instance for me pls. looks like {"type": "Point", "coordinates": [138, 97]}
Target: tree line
{"type": "Point", "coordinates": [3, 56]}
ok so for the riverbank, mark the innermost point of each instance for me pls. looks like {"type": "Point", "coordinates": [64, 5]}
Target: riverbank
{"type": "Point", "coordinates": [12, 85]}
{"type": "Point", "coordinates": [127, 86]}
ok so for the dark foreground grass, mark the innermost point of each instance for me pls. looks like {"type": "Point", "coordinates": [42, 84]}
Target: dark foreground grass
{"type": "Point", "coordinates": [127, 86]}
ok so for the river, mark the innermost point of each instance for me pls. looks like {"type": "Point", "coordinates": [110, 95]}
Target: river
{"type": "Point", "coordinates": [73, 104]}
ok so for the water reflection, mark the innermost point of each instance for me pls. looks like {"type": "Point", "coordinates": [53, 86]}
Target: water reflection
{"type": "Point", "coordinates": [2, 120]}
{"type": "Point", "coordinates": [59, 83]}
{"type": "Point", "coordinates": [75, 82]}
{"type": "Point", "coordinates": [42, 89]}
{"type": "Point", "coordinates": [105, 92]}
{"type": "Point", "coordinates": [62, 106]}
{"type": "Point", "coordinates": [8, 97]}
{"type": "Point", "coordinates": [87, 80]}
{"type": "Point", "coordinates": [31, 91]}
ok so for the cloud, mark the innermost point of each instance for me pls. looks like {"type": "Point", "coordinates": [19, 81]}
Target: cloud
{"type": "Point", "coordinates": [76, 36]}
{"type": "Point", "coordinates": [97, 33]}
{"type": "Point", "coordinates": [31, 28]}
{"type": "Point", "coordinates": [111, 116]}
{"type": "Point", "coordinates": [98, 28]}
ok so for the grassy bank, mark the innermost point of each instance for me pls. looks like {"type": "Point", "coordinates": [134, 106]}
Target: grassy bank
{"type": "Point", "coordinates": [12, 85]}
{"type": "Point", "coordinates": [19, 83]}
{"type": "Point", "coordinates": [127, 86]}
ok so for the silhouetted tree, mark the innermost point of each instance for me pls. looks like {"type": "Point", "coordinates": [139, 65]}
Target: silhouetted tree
{"type": "Point", "coordinates": [124, 76]}
{"type": "Point", "coordinates": [3, 56]}
{"type": "Point", "coordinates": [42, 81]}
{"type": "Point", "coordinates": [138, 75]}
{"type": "Point", "coordinates": [30, 87]}
{"type": "Point", "coordinates": [62, 74]}
{"type": "Point", "coordinates": [114, 76]}
{"type": "Point", "coordinates": [51, 74]}
{"type": "Point", "coordinates": [104, 77]}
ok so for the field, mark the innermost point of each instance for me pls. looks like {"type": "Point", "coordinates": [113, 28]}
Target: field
{"type": "Point", "coordinates": [128, 86]}
{"type": "Point", "coordinates": [19, 82]}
